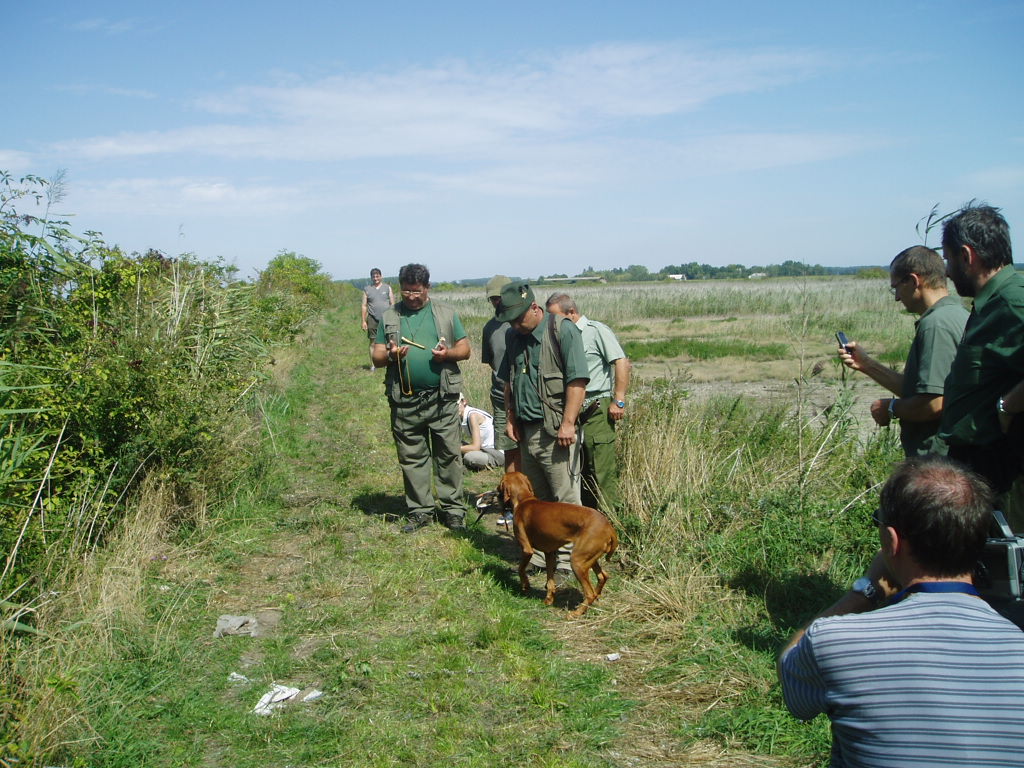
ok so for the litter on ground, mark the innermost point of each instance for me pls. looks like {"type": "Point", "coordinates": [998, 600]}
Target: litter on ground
{"type": "Point", "coordinates": [280, 696]}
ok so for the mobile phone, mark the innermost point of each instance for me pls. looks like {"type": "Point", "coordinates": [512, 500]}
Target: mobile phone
{"type": "Point", "coordinates": [843, 341]}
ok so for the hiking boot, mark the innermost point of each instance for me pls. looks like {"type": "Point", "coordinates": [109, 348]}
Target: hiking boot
{"type": "Point", "coordinates": [415, 523]}
{"type": "Point", "coordinates": [455, 523]}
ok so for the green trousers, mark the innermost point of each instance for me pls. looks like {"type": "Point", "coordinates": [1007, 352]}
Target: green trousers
{"type": "Point", "coordinates": [600, 463]}
{"type": "Point", "coordinates": [426, 431]}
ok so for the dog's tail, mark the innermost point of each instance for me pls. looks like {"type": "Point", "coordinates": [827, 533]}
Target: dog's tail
{"type": "Point", "coordinates": [613, 543]}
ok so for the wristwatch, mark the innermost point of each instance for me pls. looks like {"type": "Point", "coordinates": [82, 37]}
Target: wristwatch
{"type": "Point", "coordinates": [892, 408]}
{"type": "Point", "coordinates": [620, 403]}
{"type": "Point", "coordinates": [866, 587]}
{"type": "Point", "coordinates": [1001, 406]}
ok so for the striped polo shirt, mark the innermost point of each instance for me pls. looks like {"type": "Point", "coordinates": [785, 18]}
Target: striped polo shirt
{"type": "Point", "coordinates": [935, 680]}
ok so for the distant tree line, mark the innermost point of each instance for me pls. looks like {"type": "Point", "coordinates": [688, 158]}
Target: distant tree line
{"type": "Point", "coordinates": [694, 271]}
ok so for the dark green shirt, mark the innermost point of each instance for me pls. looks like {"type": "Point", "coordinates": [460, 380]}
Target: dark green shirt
{"type": "Point", "coordinates": [492, 352]}
{"type": "Point", "coordinates": [989, 362]}
{"type": "Point", "coordinates": [424, 372]}
{"type": "Point", "coordinates": [524, 351]}
{"type": "Point", "coordinates": [938, 334]}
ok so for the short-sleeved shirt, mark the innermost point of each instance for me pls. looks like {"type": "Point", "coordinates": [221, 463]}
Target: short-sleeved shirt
{"type": "Point", "coordinates": [424, 372]}
{"type": "Point", "coordinates": [524, 352]}
{"type": "Point", "coordinates": [377, 299]}
{"type": "Point", "coordinates": [935, 680]}
{"type": "Point", "coordinates": [938, 334]}
{"type": "Point", "coordinates": [989, 362]}
{"type": "Point", "coordinates": [492, 352]}
{"type": "Point", "coordinates": [602, 350]}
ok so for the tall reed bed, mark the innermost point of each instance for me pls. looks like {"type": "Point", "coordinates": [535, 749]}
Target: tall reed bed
{"type": "Point", "coordinates": [739, 520]}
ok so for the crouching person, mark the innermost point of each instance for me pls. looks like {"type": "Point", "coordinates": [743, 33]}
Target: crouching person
{"type": "Point", "coordinates": [910, 665]}
{"type": "Point", "coordinates": [478, 451]}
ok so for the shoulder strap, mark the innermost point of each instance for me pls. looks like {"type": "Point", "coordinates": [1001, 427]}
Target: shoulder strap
{"type": "Point", "coordinates": [553, 321]}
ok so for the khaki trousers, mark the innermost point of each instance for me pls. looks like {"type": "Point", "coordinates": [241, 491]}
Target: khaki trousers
{"type": "Point", "coordinates": [554, 471]}
{"type": "Point", "coordinates": [426, 431]}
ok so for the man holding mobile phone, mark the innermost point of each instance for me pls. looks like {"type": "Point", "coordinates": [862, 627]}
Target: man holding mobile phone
{"type": "Point", "coordinates": [917, 279]}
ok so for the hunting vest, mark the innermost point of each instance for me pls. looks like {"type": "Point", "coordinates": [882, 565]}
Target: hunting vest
{"type": "Point", "coordinates": [552, 376]}
{"type": "Point", "coordinates": [444, 323]}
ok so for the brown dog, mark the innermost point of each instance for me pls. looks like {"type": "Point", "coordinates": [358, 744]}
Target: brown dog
{"type": "Point", "coordinates": [547, 525]}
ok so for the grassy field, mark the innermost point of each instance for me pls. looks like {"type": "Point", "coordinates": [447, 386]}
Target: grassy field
{"type": "Point", "coordinates": [742, 516]}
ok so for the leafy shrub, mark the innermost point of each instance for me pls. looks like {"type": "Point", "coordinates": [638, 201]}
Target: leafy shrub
{"type": "Point", "coordinates": [114, 366]}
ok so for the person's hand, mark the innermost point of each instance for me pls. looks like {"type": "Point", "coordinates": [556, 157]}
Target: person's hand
{"type": "Point", "coordinates": [614, 412]}
{"type": "Point", "coordinates": [364, 325]}
{"type": "Point", "coordinates": [396, 352]}
{"type": "Point", "coordinates": [880, 412]}
{"type": "Point", "coordinates": [512, 426]}
{"type": "Point", "coordinates": [853, 356]}
{"type": "Point", "coordinates": [1011, 407]}
{"type": "Point", "coordinates": [879, 573]}
{"type": "Point", "coordinates": [566, 434]}
{"type": "Point", "coordinates": [440, 352]}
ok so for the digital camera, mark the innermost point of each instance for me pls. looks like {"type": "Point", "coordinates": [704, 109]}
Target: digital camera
{"type": "Point", "coordinates": [1000, 572]}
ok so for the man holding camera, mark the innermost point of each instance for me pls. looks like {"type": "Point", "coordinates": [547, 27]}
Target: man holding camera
{"type": "Point", "coordinates": [421, 343]}
{"type": "Point", "coordinates": [917, 279]}
{"type": "Point", "coordinates": [910, 665]}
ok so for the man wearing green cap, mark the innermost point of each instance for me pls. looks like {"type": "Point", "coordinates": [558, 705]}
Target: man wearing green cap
{"type": "Point", "coordinates": [492, 352]}
{"type": "Point", "coordinates": [421, 343]}
{"type": "Point", "coordinates": [545, 374]}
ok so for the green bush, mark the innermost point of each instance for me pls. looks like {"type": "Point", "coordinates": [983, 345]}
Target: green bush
{"type": "Point", "coordinates": [113, 366]}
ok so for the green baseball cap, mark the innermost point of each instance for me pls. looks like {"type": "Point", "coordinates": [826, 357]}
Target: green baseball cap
{"type": "Point", "coordinates": [495, 284]}
{"type": "Point", "coordinates": [515, 299]}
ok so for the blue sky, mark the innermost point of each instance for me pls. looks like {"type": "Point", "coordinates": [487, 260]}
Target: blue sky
{"type": "Point", "coordinates": [523, 138]}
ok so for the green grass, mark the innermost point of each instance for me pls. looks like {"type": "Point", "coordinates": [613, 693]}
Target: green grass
{"type": "Point", "coordinates": [425, 650]}
{"type": "Point", "coordinates": [741, 519]}
{"type": "Point", "coordinates": [704, 349]}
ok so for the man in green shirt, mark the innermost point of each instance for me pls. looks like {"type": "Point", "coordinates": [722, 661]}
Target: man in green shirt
{"type": "Point", "coordinates": [917, 279]}
{"type": "Point", "coordinates": [985, 388]}
{"type": "Point", "coordinates": [421, 342]}
{"type": "Point", "coordinates": [545, 375]}
{"type": "Point", "coordinates": [604, 406]}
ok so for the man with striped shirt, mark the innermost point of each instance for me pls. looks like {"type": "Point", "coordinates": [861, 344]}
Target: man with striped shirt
{"type": "Point", "coordinates": [934, 677]}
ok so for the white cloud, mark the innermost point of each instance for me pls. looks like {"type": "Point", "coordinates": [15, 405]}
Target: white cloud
{"type": "Point", "coordinates": [758, 151]}
{"type": "Point", "coordinates": [197, 196]}
{"type": "Point", "coordinates": [1000, 179]}
{"type": "Point", "coordinates": [129, 93]}
{"type": "Point", "coordinates": [105, 26]}
{"type": "Point", "coordinates": [15, 161]}
{"type": "Point", "coordinates": [454, 110]}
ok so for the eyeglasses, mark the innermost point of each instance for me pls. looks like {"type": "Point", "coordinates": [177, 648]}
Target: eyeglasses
{"type": "Point", "coordinates": [876, 518]}
{"type": "Point", "coordinates": [413, 294]}
{"type": "Point", "coordinates": [893, 289]}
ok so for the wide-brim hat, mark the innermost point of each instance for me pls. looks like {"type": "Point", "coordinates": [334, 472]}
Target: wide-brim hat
{"type": "Point", "coordinates": [495, 284]}
{"type": "Point", "coordinates": [515, 299]}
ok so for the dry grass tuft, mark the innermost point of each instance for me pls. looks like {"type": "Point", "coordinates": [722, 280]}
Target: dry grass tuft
{"type": "Point", "coordinates": [93, 600]}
